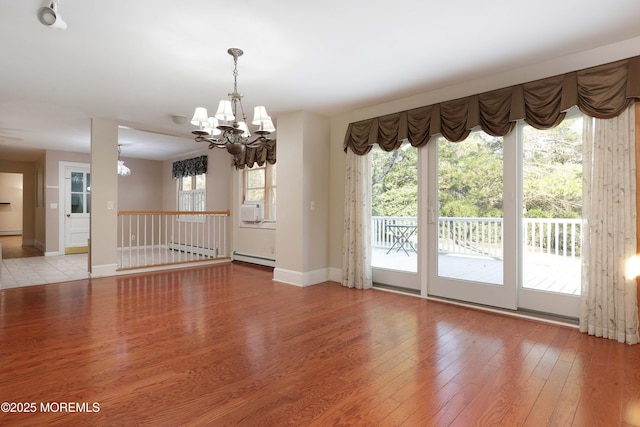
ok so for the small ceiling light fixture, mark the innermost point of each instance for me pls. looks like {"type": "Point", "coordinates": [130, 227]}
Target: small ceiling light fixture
{"type": "Point", "coordinates": [235, 135]}
{"type": "Point", "coordinates": [49, 16]}
{"type": "Point", "coordinates": [178, 119]}
{"type": "Point", "coordinates": [122, 169]}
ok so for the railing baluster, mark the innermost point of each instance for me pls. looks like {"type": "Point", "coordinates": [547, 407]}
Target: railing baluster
{"type": "Point", "coordinates": [202, 236]}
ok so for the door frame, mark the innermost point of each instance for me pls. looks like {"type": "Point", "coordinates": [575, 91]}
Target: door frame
{"type": "Point", "coordinates": [62, 189]}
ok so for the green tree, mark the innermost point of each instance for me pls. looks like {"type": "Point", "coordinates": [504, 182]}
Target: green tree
{"type": "Point", "coordinates": [552, 172]}
{"type": "Point", "coordinates": [470, 175]}
{"type": "Point", "coordinates": [395, 182]}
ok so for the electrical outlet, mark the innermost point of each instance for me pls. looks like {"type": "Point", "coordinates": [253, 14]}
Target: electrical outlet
{"type": "Point", "coordinates": [133, 237]}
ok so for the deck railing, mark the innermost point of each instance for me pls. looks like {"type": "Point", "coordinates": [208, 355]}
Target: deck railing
{"type": "Point", "coordinates": [483, 236]}
{"type": "Point", "coordinates": [154, 238]}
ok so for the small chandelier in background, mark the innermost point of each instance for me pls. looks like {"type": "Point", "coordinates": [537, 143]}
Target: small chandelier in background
{"type": "Point", "coordinates": [233, 130]}
{"type": "Point", "coordinates": [122, 169]}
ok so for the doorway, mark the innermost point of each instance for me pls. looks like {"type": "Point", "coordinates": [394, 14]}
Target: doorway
{"type": "Point", "coordinates": [12, 217]}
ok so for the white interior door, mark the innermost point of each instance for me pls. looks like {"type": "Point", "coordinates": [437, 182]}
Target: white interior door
{"type": "Point", "coordinates": [77, 209]}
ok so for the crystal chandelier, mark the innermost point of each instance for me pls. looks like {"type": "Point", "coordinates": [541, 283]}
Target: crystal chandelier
{"type": "Point", "coordinates": [226, 129]}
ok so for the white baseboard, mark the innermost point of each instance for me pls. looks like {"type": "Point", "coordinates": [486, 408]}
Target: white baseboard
{"type": "Point", "coordinates": [104, 270]}
{"type": "Point", "coordinates": [39, 245]}
{"type": "Point", "coordinates": [297, 278]}
{"type": "Point", "coordinates": [56, 253]}
{"type": "Point", "coordinates": [10, 232]}
{"type": "Point", "coordinates": [335, 274]}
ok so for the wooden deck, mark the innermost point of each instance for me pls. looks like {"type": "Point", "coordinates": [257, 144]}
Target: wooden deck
{"type": "Point", "coordinates": [540, 271]}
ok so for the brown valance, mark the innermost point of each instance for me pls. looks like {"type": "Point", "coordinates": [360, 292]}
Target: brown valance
{"type": "Point", "coordinates": [603, 92]}
{"type": "Point", "coordinates": [260, 155]}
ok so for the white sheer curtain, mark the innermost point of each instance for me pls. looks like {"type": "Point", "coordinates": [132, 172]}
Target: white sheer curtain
{"type": "Point", "coordinates": [609, 306]}
{"type": "Point", "coordinates": [356, 248]}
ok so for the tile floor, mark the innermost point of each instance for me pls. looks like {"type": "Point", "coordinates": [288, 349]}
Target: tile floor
{"type": "Point", "coordinates": [40, 270]}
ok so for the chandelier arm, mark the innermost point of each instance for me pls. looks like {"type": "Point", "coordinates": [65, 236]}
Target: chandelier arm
{"type": "Point", "coordinates": [259, 141]}
{"type": "Point", "coordinates": [215, 144]}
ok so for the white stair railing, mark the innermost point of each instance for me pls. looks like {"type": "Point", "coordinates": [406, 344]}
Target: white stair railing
{"type": "Point", "coordinates": [155, 238]}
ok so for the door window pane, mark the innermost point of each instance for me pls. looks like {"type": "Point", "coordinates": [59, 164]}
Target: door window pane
{"type": "Point", "coordinates": [552, 207]}
{"type": "Point", "coordinates": [77, 182]}
{"type": "Point", "coordinates": [77, 205]}
{"type": "Point", "coordinates": [470, 187]}
{"type": "Point", "coordinates": [395, 208]}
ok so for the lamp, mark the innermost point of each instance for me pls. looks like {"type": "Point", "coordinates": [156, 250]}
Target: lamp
{"type": "Point", "coordinates": [235, 134]}
{"type": "Point", "coordinates": [122, 169]}
{"type": "Point", "coordinates": [50, 17]}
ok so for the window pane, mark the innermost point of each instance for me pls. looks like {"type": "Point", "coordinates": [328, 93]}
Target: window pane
{"type": "Point", "coordinates": [470, 187]}
{"type": "Point", "coordinates": [552, 207]}
{"type": "Point", "coordinates": [77, 182]}
{"type": "Point", "coordinates": [201, 181]}
{"type": "Point", "coordinates": [88, 183]}
{"type": "Point", "coordinates": [184, 201]}
{"type": "Point", "coordinates": [199, 201]}
{"type": "Point", "coordinates": [88, 204]}
{"type": "Point", "coordinates": [187, 183]}
{"type": "Point", "coordinates": [395, 208]}
{"type": "Point", "coordinates": [255, 195]}
{"type": "Point", "coordinates": [76, 203]}
{"type": "Point", "coordinates": [255, 178]}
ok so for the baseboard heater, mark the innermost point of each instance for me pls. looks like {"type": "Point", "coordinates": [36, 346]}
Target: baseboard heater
{"type": "Point", "coordinates": [195, 250]}
{"type": "Point", "coordinates": [254, 259]}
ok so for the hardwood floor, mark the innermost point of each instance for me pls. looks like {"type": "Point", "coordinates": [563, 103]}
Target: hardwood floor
{"type": "Point", "coordinates": [226, 345]}
{"type": "Point", "coordinates": [12, 248]}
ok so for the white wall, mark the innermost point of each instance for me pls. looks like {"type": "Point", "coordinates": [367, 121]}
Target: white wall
{"type": "Point", "coordinates": [104, 197]}
{"type": "Point", "coordinates": [142, 190]}
{"type": "Point", "coordinates": [302, 239]}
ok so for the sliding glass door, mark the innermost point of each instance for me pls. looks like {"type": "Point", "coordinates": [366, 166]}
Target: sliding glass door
{"type": "Point", "coordinates": [394, 226]}
{"type": "Point", "coordinates": [466, 221]}
{"type": "Point", "coordinates": [551, 219]}
{"type": "Point", "coordinates": [504, 218]}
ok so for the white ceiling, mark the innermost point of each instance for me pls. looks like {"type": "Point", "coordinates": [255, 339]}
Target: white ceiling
{"type": "Point", "coordinates": [139, 62]}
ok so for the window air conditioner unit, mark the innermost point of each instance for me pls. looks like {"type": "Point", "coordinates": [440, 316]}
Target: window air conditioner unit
{"type": "Point", "coordinates": [252, 212]}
